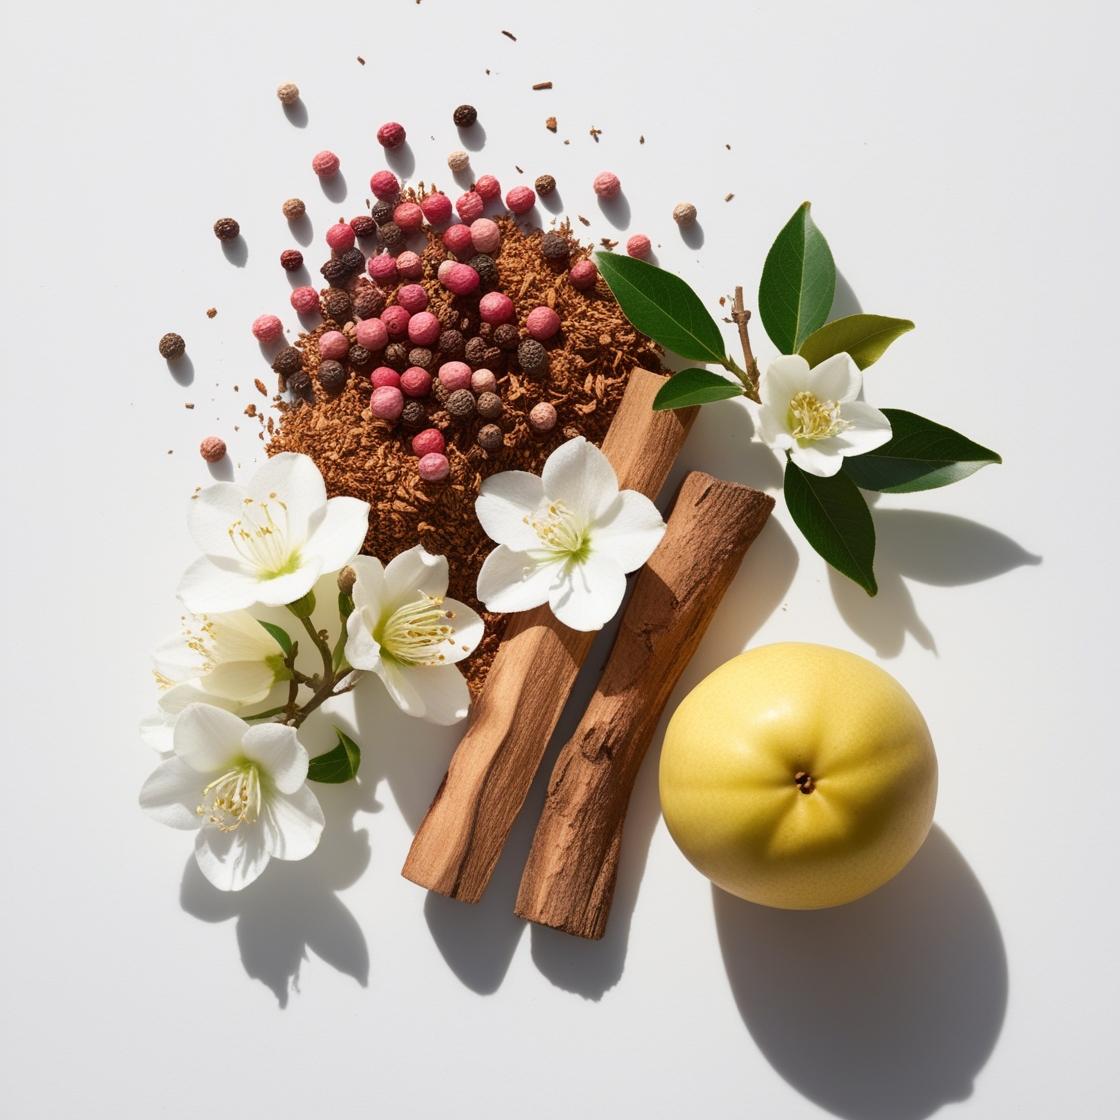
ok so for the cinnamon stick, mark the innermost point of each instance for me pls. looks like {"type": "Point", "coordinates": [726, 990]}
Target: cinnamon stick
{"type": "Point", "coordinates": [569, 878]}
{"type": "Point", "coordinates": [458, 843]}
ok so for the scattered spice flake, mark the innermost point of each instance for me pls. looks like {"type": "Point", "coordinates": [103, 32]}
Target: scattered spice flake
{"type": "Point", "coordinates": [550, 124]}
{"type": "Point", "coordinates": [642, 139]}
{"type": "Point", "coordinates": [260, 387]}
{"type": "Point", "coordinates": [188, 404]}
{"type": "Point", "coordinates": [585, 221]}
{"type": "Point", "coordinates": [250, 409]}
{"type": "Point", "coordinates": [595, 133]}
{"type": "Point", "coordinates": [727, 146]}
{"type": "Point", "coordinates": [211, 312]}
{"type": "Point", "coordinates": [567, 141]}
{"type": "Point", "coordinates": [237, 388]}
{"type": "Point", "coordinates": [723, 301]}
{"type": "Point", "coordinates": [361, 60]}
{"type": "Point", "coordinates": [508, 34]}
{"type": "Point", "coordinates": [542, 85]}
{"type": "Point", "coordinates": [520, 170]}
{"type": "Point", "coordinates": [488, 73]}
{"type": "Point", "coordinates": [607, 243]}
{"type": "Point", "coordinates": [729, 196]}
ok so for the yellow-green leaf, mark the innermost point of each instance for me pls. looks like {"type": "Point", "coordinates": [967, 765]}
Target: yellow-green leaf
{"type": "Point", "coordinates": [864, 338]}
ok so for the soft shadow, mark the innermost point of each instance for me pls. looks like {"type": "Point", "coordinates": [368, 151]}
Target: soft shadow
{"type": "Point", "coordinates": [222, 469]}
{"type": "Point", "coordinates": [181, 369]}
{"type": "Point", "coordinates": [296, 114]}
{"type": "Point", "coordinates": [844, 300]}
{"type": "Point", "coordinates": [616, 210]}
{"type": "Point", "coordinates": [270, 349]}
{"type": "Point", "coordinates": [401, 159]}
{"type": "Point", "coordinates": [553, 203]}
{"type": "Point", "coordinates": [472, 138]}
{"type": "Point", "coordinates": [236, 251]}
{"type": "Point", "coordinates": [464, 178]}
{"type": "Point", "coordinates": [294, 907]}
{"type": "Point", "coordinates": [302, 229]}
{"type": "Point", "coordinates": [884, 1009]}
{"type": "Point", "coordinates": [722, 439]}
{"type": "Point", "coordinates": [299, 277]}
{"type": "Point", "coordinates": [693, 235]}
{"type": "Point", "coordinates": [334, 187]}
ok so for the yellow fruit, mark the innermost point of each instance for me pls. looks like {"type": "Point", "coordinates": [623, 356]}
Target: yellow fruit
{"type": "Point", "coordinates": [798, 776]}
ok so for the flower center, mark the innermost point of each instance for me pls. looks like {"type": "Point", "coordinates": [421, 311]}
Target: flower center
{"type": "Point", "coordinates": [811, 418]}
{"type": "Point", "coordinates": [559, 531]}
{"type": "Point", "coordinates": [232, 799]}
{"type": "Point", "coordinates": [416, 632]}
{"type": "Point", "coordinates": [260, 537]}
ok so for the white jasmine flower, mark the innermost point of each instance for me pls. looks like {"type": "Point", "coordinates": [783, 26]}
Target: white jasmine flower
{"type": "Point", "coordinates": [814, 415]}
{"type": "Point", "coordinates": [269, 540]}
{"type": "Point", "coordinates": [405, 629]}
{"type": "Point", "coordinates": [567, 538]}
{"type": "Point", "coordinates": [243, 788]}
{"type": "Point", "coordinates": [158, 729]}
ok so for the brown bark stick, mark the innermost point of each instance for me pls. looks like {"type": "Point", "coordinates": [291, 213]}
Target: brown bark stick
{"type": "Point", "coordinates": [569, 877]}
{"type": "Point", "coordinates": [458, 843]}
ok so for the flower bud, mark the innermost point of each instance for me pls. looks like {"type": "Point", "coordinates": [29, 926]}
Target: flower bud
{"type": "Point", "coordinates": [346, 580]}
{"type": "Point", "coordinates": [303, 606]}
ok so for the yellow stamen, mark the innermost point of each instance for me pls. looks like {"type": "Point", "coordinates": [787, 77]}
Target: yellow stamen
{"type": "Point", "coordinates": [232, 799]}
{"type": "Point", "coordinates": [811, 418]}
{"type": "Point", "coordinates": [415, 633]}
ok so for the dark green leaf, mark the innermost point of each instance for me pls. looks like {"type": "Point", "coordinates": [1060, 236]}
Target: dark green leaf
{"type": "Point", "coordinates": [283, 638]}
{"type": "Point", "coordinates": [339, 764]}
{"type": "Point", "coordinates": [834, 517]}
{"type": "Point", "coordinates": [664, 307]}
{"type": "Point", "coordinates": [694, 386]}
{"type": "Point", "coordinates": [920, 455]}
{"type": "Point", "coordinates": [798, 283]}
{"type": "Point", "coordinates": [864, 338]}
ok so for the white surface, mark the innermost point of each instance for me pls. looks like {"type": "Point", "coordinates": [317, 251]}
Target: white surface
{"type": "Point", "coordinates": [962, 161]}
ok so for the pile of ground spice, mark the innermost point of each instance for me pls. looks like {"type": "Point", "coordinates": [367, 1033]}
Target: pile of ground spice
{"type": "Point", "coordinates": [359, 455]}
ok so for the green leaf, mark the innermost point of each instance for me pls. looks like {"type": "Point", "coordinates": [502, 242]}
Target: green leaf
{"type": "Point", "coordinates": [283, 638]}
{"type": "Point", "coordinates": [834, 517]}
{"type": "Point", "coordinates": [664, 307]}
{"type": "Point", "coordinates": [694, 386]}
{"type": "Point", "coordinates": [798, 283]}
{"type": "Point", "coordinates": [339, 764]}
{"type": "Point", "coordinates": [920, 455]}
{"type": "Point", "coordinates": [864, 338]}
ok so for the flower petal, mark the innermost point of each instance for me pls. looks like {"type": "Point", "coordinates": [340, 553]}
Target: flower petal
{"type": "Point", "coordinates": [279, 753]}
{"type": "Point", "coordinates": [338, 533]}
{"type": "Point", "coordinates": [208, 738]}
{"type": "Point", "coordinates": [294, 480]}
{"type": "Point", "coordinates": [629, 531]}
{"type": "Point", "coordinates": [400, 687]}
{"type": "Point", "coordinates": [282, 590]}
{"type": "Point", "coordinates": [412, 572]}
{"type": "Point", "coordinates": [362, 650]}
{"type": "Point", "coordinates": [245, 682]}
{"type": "Point", "coordinates": [836, 379]}
{"type": "Point", "coordinates": [820, 457]}
{"type": "Point", "coordinates": [291, 824]}
{"type": "Point", "coordinates": [468, 629]}
{"type": "Point", "coordinates": [176, 660]}
{"type": "Point", "coordinates": [578, 474]}
{"type": "Point", "coordinates": [517, 581]}
{"type": "Point", "coordinates": [171, 794]}
{"type": "Point", "coordinates": [772, 428]}
{"type": "Point", "coordinates": [870, 429]}
{"type": "Point", "coordinates": [210, 513]}
{"type": "Point", "coordinates": [369, 586]}
{"type": "Point", "coordinates": [217, 583]}
{"type": "Point", "coordinates": [436, 693]}
{"type": "Point", "coordinates": [781, 379]}
{"type": "Point", "coordinates": [504, 502]}
{"type": "Point", "coordinates": [590, 594]}
{"type": "Point", "coordinates": [157, 731]}
{"type": "Point", "coordinates": [231, 860]}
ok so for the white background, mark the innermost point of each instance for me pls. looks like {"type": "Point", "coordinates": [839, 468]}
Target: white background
{"type": "Point", "coordinates": [962, 161]}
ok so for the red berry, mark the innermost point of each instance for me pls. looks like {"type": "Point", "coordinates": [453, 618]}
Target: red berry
{"type": "Point", "coordinates": [291, 260]}
{"type": "Point", "coordinates": [521, 199]}
{"type": "Point", "coordinates": [428, 442]}
{"type": "Point", "coordinates": [213, 449]}
{"type": "Point", "coordinates": [340, 237]}
{"type": "Point", "coordinates": [638, 246]}
{"type": "Point", "coordinates": [488, 188]}
{"type": "Point", "coordinates": [391, 135]}
{"type": "Point", "coordinates": [384, 376]}
{"type": "Point", "coordinates": [408, 216]}
{"type": "Point", "coordinates": [436, 208]}
{"type": "Point", "coordinates": [384, 184]}
{"type": "Point", "coordinates": [470, 206]}
{"type": "Point", "coordinates": [457, 239]}
{"type": "Point", "coordinates": [416, 382]}
{"type": "Point", "coordinates": [325, 164]}
{"type": "Point", "coordinates": [583, 275]}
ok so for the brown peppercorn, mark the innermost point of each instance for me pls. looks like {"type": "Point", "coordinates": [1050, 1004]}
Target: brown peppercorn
{"type": "Point", "coordinates": [494, 358]}
{"type": "Point", "coordinates": [460, 404]}
{"type": "Point", "coordinates": [294, 209]}
{"type": "Point", "coordinates": [368, 301]}
{"type": "Point", "coordinates": [489, 437]}
{"type": "Point", "coordinates": [291, 260]}
{"type": "Point", "coordinates": [476, 352]}
{"type": "Point", "coordinates": [465, 116]}
{"type": "Point", "coordinates": [532, 356]}
{"type": "Point", "coordinates": [507, 336]}
{"type": "Point", "coordinates": [332, 377]}
{"type": "Point", "coordinates": [382, 212]}
{"type": "Point", "coordinates": [392, 235]}
{"type": "Point", "coordinates": [545, 185]}
{"type": "Point", "coordinates": [335, 271]}
{"type": "Point", "coordinates": [172, 346]}
{"type": "Point", "coordinates": [226, 229]}
{"type": "Point", "coordinates": [299, 383]}
{"type": "Point", "coordinates": [396, 356]}
{"type": "Point", "coordinates": [414, 415]}
{"type": "Point", "coordinates": [287, 362]}
{"type": "Point", "coordinates": [487, 270]}
{"type": "Point", "coordinates": [288, 93]}
{"type": "Point", "coordinates": [451, 345]}
{"type": "Point", "coordinates": [555, 247]}
{"type": "Point", "coordinates": [354, 259]}
{"type": "Point", "coordinates": [422, 357]}
{"type": "Point", "coordinates": [359, 356]}
{"type": "Point", "coordinates": [489, 406]}
{"type": "Point", "coordinates": [336, 305]}
{"type": "Point", "coordinates": [363, 226]}
{"type": "Point", "coordinates": [448, 317]}
{"type": "Point", "coordinates": [212, 449]}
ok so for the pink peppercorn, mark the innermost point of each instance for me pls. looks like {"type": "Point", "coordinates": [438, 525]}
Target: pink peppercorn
{"type": "Point", "coordinates": [408, 216]}
{"type": "Point", "coordinates": [334, 344]}
{"type": "Point", "coordinates": [409, 265]}
{"type": "Point", "coordinates": [268, 327]}
{"type": "Point", "coordinates": [434, 467]}
{"type": "Point", "coordinates": [213, 449]}
{"type": "Point", "coordinates": [428, 442]}
{"type": "Point", "coordinates": [542, 417]}
{"type": "Point", "coordinates": [424, 329]}
{"type": "Point", "coordinates": [483, 381]}
{"type": "Point", "coordinates": [386, 403]}
{"type": "Point", "coordinates": [583, 275]}
{"type": "Point", "coordinates": [444, 269]}
{"type": "Point", "coordinates": [457, 240]}
{"type": "Point", "coordinates": [305, 300]}
{"type": "Point", "coordinates": [391, 135]}
{"type": "Point", "coordinates": [416, 382]}
{"type": "Point", "coordinates": [470, 206]}
{"type": "Point", "coordinates": [461, 279]}
{"type": "Point", "coordinates": [485, 235]}
{"type": "Point", "coordinates": [454, 376]}
{"type": "Point", "coordinates": [607, 184]}
{"type": "Point", "coordinates": [325, 164]}
{"type": "Point", "coordinates": [412, 297]}
{"type": "Point", "coordinates": [638, 246]}
{"type": "Point", "coordinates": [384, 376]}
{"type": "Point", "coordinates": [371, 334]}
{"type": "Point", "coordinates": [521, 199]}
{"type": "Point", "coordinates": [382, 267]}
{"type": "Point", "coordinates": [542, 323]}
{"type": "Point", "coordinates": [396, 320]}
{"type": "Point", "coordinates": [384, 185]}
{"type": "Point", "coordinates": [488, 188]}
{"type": "Point", "coordinates": [436, 208]}
{"type": "Point", "coordinates": [495, 307]}
{"type": "Point", "coordinates": [340, 237]}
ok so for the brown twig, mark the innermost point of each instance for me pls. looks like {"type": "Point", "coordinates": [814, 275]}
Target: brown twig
{"type": "Point", "coordinates": [741, 316]}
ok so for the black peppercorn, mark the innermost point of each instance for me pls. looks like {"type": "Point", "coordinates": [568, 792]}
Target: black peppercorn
{"type": "Point", "coordinates": [368, 302]}
{"type": "Point", "coordinates": [363, 226]}
{"type": "Point", "coordinates": [545, 185]}
{"type": "Point", "coordinates": [336, 305]}
{"type": "Point", "coordinates": [291, 260]}
{"type": "Point", "coordinates": [354, 259]}
{"type": "Point", "coordinates": [287, 362]}
{"type": "Point", "coordinates": [382, 212]}
{"type": "Point", "coordinates": [451, 346]}
{"type": "Point", "coordinates": [421, 357]}
{"type": "Point", "coordinates": [507, 336]}
{"type": "Point", "coordinates": [489, 437]}
{"type": "Point", "coordinates": [476, 352]}
{"type": "Point", "coordinates": [396, 356]}
{"type": "Point", "coordinates": [465, 116]}
{"type": "Point", "coordinates": [414, 415]}
{"type": "Point", "coordinates": [532, 356]}
{"type": "Point", "coordinates": [448, 317]}
{"type": "Point", "coordinates": [332, 377]}
{"type": "Point", "coordinates": [392, 235]}
{"type": "Point", "coordinates": [487, 271]}
{"type": "Point", "coordinates": [359, 356]}
{"type": "Point", "coordinates": [460, 404]}
{"type": "Point", "coordinates": [489, 406]}
{"type": "Point", "coordinates": [226, 229]}
{"type": "Point", "coordinates": [335, 271]}
{"type": "Point", "coordinates": [299, 383]}
{"type": "Point", "coordinates": [172, 346]}
{"type": "Point", "coordinates": [494, 358]}
{"type": "Point", "coordinates": [555, 247]}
